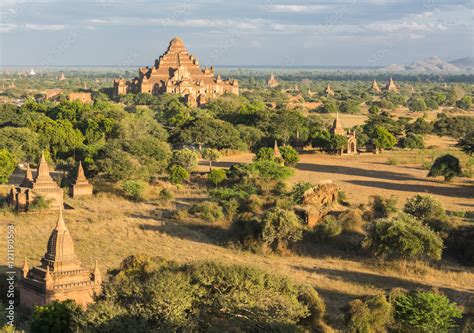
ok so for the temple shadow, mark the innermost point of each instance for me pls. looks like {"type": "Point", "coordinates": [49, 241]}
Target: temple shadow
{"type": "Point", "coordinates": [458, 191]}
{"type": "Point", "coordinates": [354, 171]}
{"type": "Point", "coordinates": [190, 229]}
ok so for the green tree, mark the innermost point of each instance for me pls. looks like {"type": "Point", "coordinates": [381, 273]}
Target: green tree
{"type": "Point", "coordinates": [186, 158]}
{"type": "Point", "coordinates": [412, 141]}
{"type": "Point", "coordinates": [289, 155]}
{"type": "Point", "coordinates": [7, 165]}
{"type": "Point", "coordinates": [467, 143]}
{"type": "Point", "coordinates": [464, 103]}
{"type": "Point", "coordinates": [133, 190]}
{"type": "Point", "coordinates": [417, 104]}
{"type": "Point", "coordinates": [280, 228]}
{"type": "Point", "coordinates": [337, 143]}
{"type": "Point", "coordinates": [403, 237]}
{"type": "Point", "coordinates": [178, 174]}
{"type": "Point", "coordinates": [383, 139]}
{"type": "Point", "coordinates": [56, 317]}
{"type": "Point", "coordinates": [212, 155]}
{"type": "Point", "coordinates": [447, 166]}
{"type": "Point", "coordinates": [370, 316]}
{"type": "Point", "coordinates": [425, 311]}
{"type": "Point", "coordinates": [209, 132]}
{"type": "Point", "coordinates": [217, 176]}
{"type": "Point", "coordinates": [381, 207]}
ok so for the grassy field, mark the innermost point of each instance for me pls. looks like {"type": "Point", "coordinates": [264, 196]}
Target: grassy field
{"type": "Point", "coordinates": [109, 228]}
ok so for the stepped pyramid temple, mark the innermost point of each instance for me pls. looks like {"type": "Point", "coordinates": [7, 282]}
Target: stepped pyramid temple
{"type": "Point", "coordinates": [375, 87]}
{"type": "Point", "coordinates": [391, 86]}
{"type": "Point", "coordinates": [43, 185]}
{"type": "Point", "coordinates": [81, 186]}
{"type": "Point", "coordinates": [271, 81]}
{"type": "Point", "coordinates": [337, 129]}
{"type": "Point", "coordinates": [60, 275]}
{"type": "Point", "coordinates": [329, 91]}
{"type": "Point", "coordinates": [177, 71]}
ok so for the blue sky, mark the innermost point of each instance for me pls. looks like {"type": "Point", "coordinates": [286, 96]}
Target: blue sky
{"type": "Point", "coordinates": [266, 32]}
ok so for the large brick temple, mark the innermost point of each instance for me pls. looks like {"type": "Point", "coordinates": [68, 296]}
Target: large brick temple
{"type": "Point", "coordinates": [177, 71]}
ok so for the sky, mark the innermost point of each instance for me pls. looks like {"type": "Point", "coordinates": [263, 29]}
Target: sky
{"type": "Point", "coordinates": [246, 32]}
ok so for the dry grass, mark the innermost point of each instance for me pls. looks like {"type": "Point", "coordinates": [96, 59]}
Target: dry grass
{"type": "Point", "coordinates": [109, 228]}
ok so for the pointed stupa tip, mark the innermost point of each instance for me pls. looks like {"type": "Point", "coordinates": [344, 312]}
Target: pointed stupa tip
{"type": "Point", "coordinates": [80, 171]}
{"type": "Point", "coordinates": [60, 225]}
{"type": "Point", "coordinates": [28, 173]}
{"type": "Point", "coordinates": [25, 264]}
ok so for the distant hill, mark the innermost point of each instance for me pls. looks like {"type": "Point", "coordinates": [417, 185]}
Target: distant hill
{"type": "Point", "coordinates": [465, 63]}
{"type": "Point", "coordinates": [433, 65]}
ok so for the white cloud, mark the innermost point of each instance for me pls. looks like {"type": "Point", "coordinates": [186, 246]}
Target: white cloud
{"type": "Point", "coordinates": [7, 27]}
{"type": "Point", "coordinates": [405, 26]}
{"type": "Point", "coordinates": [298, 8]}
{"type": "Point", "coordinates": [51, 27]}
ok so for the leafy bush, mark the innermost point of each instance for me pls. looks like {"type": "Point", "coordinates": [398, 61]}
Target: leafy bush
{"type": "Point", "coordinates": [39, 203]}
{"type": "Point", "coordinates": [403, 237]}
{"type": "Point", "coordinates": [447, 166]}
{"type": "Point", "coordinates": [207, 210]}
{"type": "Point", "coordinates": [265, 154]}
{"type": "Point", "coordinates": [185, 158]}
{"type": "Point", "coordinates": [133, 190]}
{"type": "Point", "coordinates": [280, 228]}
{"type": "Point", "coordinates": [412, 141]}
{"type": "Point", "coordinates": [166, 194]}
{"type": "Point", "coordinates": [330, 227]}
{"type": "Point", "coordinates": [430, 211]}
{"type": "Point", "coordinates": [370, 316]}
{"type": "Point", "coordinates": [178, 174]}
{"type": "Point", "coordinates": [7, 165]}
{"type": "Point", "coordinates": [289, 155]}
{"type": "Point", "coordinates": [216, 176]}
{"type": "Point", "coordinates": [381, 207]}
{"type": "Point", "coordinates": [56, 317]}
{"type": "Point", "coordinates": [269, 170]}
{"type": "Point", "coordinates": [151, 294]}
{"type": "Point", "coordinates": [298, 190]}
{"type": "Point", "coordinates": [425, 311]}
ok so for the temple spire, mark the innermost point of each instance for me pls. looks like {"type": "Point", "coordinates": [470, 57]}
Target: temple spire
{"type": "Point", "coordinates": [43, 170]}
{"type": "Point", "coordinates": [28, 180]}
{"type": "Point", "coordinates": [96, 272]}
{"type": "Point", "coordinates": [276, 150]}
{"type": "Point", "coordinates": [25, 269]}
{"type": "Point", "coordinates": [80, 172]}
{"type": "Point", "coordinates": [60, 225]}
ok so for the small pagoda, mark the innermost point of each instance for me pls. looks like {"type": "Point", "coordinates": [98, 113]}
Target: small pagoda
{"type": "Point", "coordinates": [391, 86]}
{"type": "Point", "coordinates": [329, 91]}
{"type": "Point", "coordinates": [60, 275]}
{"type": "Point", "coordinates": [271, 81]}
{"type": "Point", "coordinates": [62, 77]}
{"type": "Point", "coordinates": [22, 196]}
{"type": "Point", "coordinates": [375, 87]}
{"type": "Point", "coordinates": [81, 186]}
{"type": "Point", "coordinates": [276, 150]}
{"type": "Point", "coordinates": [338, 129]}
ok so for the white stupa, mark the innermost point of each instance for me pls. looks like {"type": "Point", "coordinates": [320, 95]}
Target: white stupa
{"type": "Point", "coordinates": [32, 72]}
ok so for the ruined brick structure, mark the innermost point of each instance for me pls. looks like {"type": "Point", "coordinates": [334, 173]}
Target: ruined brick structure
{"type": "Point", "coordinates": [338, 129]}
{"type": "Point", "coordinates": [43, 185]}
{"type": "Point", "coordinates": [60, 275]}
{"type": "Point", "coordinates": [84, 97]}
{"type": "Point", "coordinates": [81, 186]}
{"type": "Point", "coordinates": [177, 71]}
